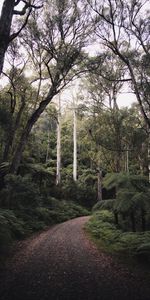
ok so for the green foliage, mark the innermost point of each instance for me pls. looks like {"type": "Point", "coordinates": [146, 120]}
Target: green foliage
{"type": "Point", "coordinates": [10, 227]}
{"type": "Point", "coordinates": [102, 227]}
{"type": "Point", "coordinates": [122, 180]}
{"type": "Point", "coordinates": [83, 191]}
{"type": "Point", "coordinates": [104, 204]}
{"type": "Point", "coordinates": [19, 192]}
{"type": "Point", "coordinates": [127, 201]}
{"type": "Point", "coordinates": [143, 251]}
{"type": "Point", "coordinates": [28, 211]}
{"type": "Point", "coordinates": [132, 199]}
{"type": "Point", "coordinates": [59, 211]}
{"type": "Point", "coordinates": [4, 118]}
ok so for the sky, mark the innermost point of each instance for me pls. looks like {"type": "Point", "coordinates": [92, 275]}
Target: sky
{"type": "Point", "coordinates": [124, 99]}
{"type": "Point", "coordinates": [1, 3]}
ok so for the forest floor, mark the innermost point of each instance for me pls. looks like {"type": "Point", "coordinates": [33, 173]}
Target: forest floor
{"type": "Point", "coordinates": [62, 263]}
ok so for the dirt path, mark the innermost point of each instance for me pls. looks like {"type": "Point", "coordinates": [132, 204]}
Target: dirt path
{"type": "Point", "coordinates": [62, 264]}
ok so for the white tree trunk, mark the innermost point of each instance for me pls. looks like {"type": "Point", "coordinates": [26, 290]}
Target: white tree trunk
{"type": "Point", "coordinates": [74, 144]}
{"type": "Point", "coordinates": [58, 172]}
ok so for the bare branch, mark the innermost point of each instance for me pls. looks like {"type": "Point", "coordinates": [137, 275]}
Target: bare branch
{"type": "Point", "coordinates": [14, 35]}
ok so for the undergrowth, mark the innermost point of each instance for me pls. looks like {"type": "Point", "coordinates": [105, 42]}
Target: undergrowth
{"type": "Point", "coordinates": [21, 222]}
{"type": "Point", "coordinates": [134, 244]}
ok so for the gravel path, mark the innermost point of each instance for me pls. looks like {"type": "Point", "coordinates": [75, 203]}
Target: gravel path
{"type": "Point", "coordinates": [62, 264]}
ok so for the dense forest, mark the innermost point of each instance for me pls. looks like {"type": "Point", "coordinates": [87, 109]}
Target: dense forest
{"type": "Point", "coordinates": [67, 146]}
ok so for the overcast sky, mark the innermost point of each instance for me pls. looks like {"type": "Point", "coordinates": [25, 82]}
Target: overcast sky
{"type": "Point", "coordinates": [124, 99]}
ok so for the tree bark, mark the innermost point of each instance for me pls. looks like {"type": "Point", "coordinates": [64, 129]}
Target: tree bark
{"type": "Point", "coordinates": [99, 185]}
{"type": "Point", "coordinates": [48, 146]}
{"type": "Point", "coordinates": [133, 221]}
{"type": "Point", "coordinates": [143, 220]}
{"type": "Point", "coordinates": [12, 132]}
{"type": "Point", "coordinates": [25, 134]}
{"type": "Point", "coordinates": [5, 27]}
{"type": "Point", "coordinates": [149, 155]}
{"type": "Point", "coordinates": [127, 161]}
{"type": "Point", "coordinates": [58, 174]}
{"type": "Point", "coordinates": [116, 218]}
{"type": "Point", "coordinates": [74, 144]}
{"type": "Point", "coordinates": [145, 116]}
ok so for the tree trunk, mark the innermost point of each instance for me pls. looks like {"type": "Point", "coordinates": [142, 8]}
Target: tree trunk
{"type": "Point", "coordinates": [143, 220]}
{"type": "Point", "coordinates": [12, 132]}
{"type": "Point", "coordinates": [58, 174]}
{"type": "Point", "coordinates": [5, 27]}
{"type": "Point", "coordinates": [116, 218]}
{"type": "Point", "coordinates": [74, 144]}
{"type": "Point", "coordinates": [133, 221]}
{"type": "Point", "coordinates": [48, 146]}
{"type": "Point", "coordinates": [25, 134]}
{"type": "Point", "coordinates": [127, 161]}
{"type": "Point", "coordinates": [149, 155]}
{"type": "Point", "coordinates": [118, 161]}
{"type": "Point", "coordinates": [138, 96]}
{"type": "Point", "coordinates": [99, 185]}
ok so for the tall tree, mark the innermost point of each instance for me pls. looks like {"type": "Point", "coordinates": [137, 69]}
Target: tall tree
{"type": "Point", "coordinates": [74, 140]}
{"type": "Point", "coordinates": [121, 27]}
{"type": "Point", "coordinates": [58, 171]}
{"type": "Point", "coordinates": [7, 13]}
{"type": "Point", "coordinates": [55, 50]}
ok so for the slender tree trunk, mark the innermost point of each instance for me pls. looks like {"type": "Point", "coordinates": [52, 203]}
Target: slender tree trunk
{"type": "Point", "coordinates": [149, 155]}
{"type": "Point", "coordinates": [133, 221]}
{"type": "Point", "coordinates": [8, 147]}
{"type": "Point", "coordinates": [48, 146]}
{"type": "Point", "coordinates": [135, 85]}
{"type": "Point", "coordinates": [12, 132]}
{"type": "Point", "coordinates": [99, 184]}
{"type": "Point", "coordinates": [74, 144]}
{"type": "Point", "coordinates": [143, 220]}
{"type": "Point", "coordinates": [58, 174]}
{"type": "Point", "coordinates": [127, 161]}
{"type": "Point", "coordinates": [116, 218]}
{"type": "Point", "coordinates": [5, 27]}
{"type": "Point", "coordinates": [138, 96]}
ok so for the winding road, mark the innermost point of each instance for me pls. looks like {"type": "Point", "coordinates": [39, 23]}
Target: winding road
{"type": "Point", "coordinates": [63, 264]}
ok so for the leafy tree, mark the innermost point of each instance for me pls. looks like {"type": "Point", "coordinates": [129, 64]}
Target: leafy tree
{"type": "Point", "coordinates": [8, 11]}
{"type": "Point", "coordinates": [55, 52]}
{"type": "Point", "coordinates": [117, 23]}
{"type": "Point", "coordinates": [132, 197]}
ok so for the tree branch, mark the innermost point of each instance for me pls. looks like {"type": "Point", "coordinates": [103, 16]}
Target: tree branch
{"type": "Point", "coordinates": [14, 35]}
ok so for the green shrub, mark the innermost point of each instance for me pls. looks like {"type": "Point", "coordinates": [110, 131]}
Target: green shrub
{"type": "Point", "coordinates": [104, 204]}
{"type": "Point", "coordinates": [132, 200]}
{"type": "Point", "coordinates": [19, 192]}
{"type": "Point", "coordinates": [143, 251]}
{"type": "Point", "coordinates": [102, 227]}
{"type": "Point", "coordinates": [65, 210]}
{"type": "Point", "coordinates": [10, 227]}
{"type": "Point", "coordinates": [25, 211]}
{"type": "Point", "coordinates": [104, 215]}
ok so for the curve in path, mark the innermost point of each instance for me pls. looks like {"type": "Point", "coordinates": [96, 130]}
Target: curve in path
{"type": "Point", "coordinates": [62, 264]}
